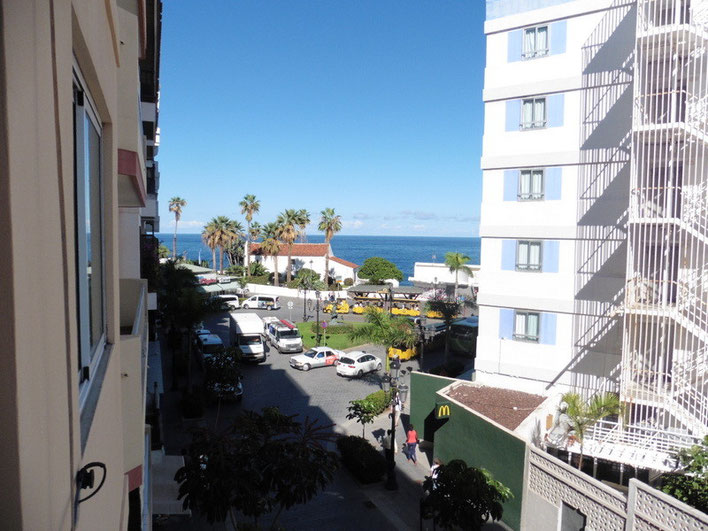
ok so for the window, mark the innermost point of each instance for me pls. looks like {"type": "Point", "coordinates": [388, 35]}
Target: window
{"type": "Point", "coordinates": [533, 113]}
{"type": "Point", "coordinates": [88, 180]}
{"type": "Point", "coordinates": [528, 255]}
{"type": "Point", "coordinates": [526, 326]}
{"type": "Point", "coordinates": [535, 42]}
{"type": "Point", "coordinates": [530, 185]}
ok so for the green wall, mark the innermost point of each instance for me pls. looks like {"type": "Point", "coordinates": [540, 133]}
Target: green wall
{"type": "Point", "coordinates": [471, 438]}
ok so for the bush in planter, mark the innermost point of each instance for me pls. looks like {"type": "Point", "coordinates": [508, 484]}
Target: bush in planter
{"type": "Point", "coordinates": [366, 463]}
{"type": "Point", "coordinates": [192, 405]}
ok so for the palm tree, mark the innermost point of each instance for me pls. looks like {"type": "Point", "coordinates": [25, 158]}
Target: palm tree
{"type": "Point", "coordinates": [234, 248]}
{"type": "Point", "coordinates": [330, 224]}
{"type": "Point", "coordinates": [209, 239]}
{"type": "Point", "coordinates": [456, 262]}
{"type": "Point", "coordinates": [382, 328]}
{"type": "Point", "coordinates": [303, 220]}
{"type": "Point", "coordinates": [582, 415]}
{"type": "Point", "coordinates": [288, 223]}
{"type": "Point", "coordinates": [176, 206]}
{"type": "Point", "coordinates": [271, 246]}
{"type": "Point", "coordinates": [225, 231]}
{"type": "Point", "coordinates": [254, 232]}
{"type": "Point", "coordinates": [249, 206]}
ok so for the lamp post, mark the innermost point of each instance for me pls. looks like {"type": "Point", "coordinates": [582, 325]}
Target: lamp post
{"type": "Point", "coordinates": [421, 336]}
{"type": "Point", "coordinates": [435, 287]}
{"type": "Point", "coordinates": [317, 301]}
{"type": "Point", "coordinates": [391, 383]}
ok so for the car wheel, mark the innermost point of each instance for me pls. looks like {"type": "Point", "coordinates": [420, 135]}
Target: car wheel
{"type": "Point", "coordinates": [306, 367]}
{"type": "Point", "coordinates": [245, 307]}
{"type": "Point", "coordinates": [378, 367]}
{"type": "Point", "coordinates": [360, 373]}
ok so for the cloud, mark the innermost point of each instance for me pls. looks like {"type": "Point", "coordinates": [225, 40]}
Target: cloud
{"type": "Point", "coordinates": [418, 227]}
{"type": "Point", "coordinates": [419, 215]}
{"type": "Point", "coordinates": [187, 224]}
{"type": "Point", "coordinates": [356, 224]}
{"type": "Point", "coordinates": [361, 215]}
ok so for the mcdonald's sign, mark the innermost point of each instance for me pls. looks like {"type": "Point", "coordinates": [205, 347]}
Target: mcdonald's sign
{"type": "Point", "coordinates": [442, 410]}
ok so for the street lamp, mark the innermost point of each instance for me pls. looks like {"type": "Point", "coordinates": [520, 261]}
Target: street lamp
{"type": "Point", "coordinates": [421, 337]}
{"type": "Point", "coordinates": [435, 286]}
{"type": "Point", "coordinates": [317, 301]}
{"type": "Point", "coordinates": [391, 382]}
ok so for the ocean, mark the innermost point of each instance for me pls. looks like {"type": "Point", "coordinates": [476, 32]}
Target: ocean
{"type": "Point", "coordinates": [403, 251]}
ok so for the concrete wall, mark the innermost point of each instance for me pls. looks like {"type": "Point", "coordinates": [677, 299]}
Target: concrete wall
{"type": "Point", "coordinates": [337, 271]}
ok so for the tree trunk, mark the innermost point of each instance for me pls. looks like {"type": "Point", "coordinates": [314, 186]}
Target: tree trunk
{"type": "Point", "coordinates": [174, 242]}
{"type": "Point", "coordinates": [580, 459]}
{"type": "Point", "coordinates": [289, 271]}
{"type": "Point", "coordinates": [326, 275]}
{"type": "Point", "coordinates": [276, 282]}
{"type": "Point", "coordinates": [213, 258]}
{"type": "Point", "coordinates": [457, 272]}
{"type": "Point", "coordinates": [221, 259]}
{"type": "Point", "coordinates": [246, 246]}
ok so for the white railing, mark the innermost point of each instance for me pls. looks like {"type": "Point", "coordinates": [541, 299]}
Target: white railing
{"type": "Point", "coordinates": [645, 437]}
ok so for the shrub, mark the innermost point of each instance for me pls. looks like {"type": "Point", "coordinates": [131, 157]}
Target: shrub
{"type": "Point", "coordinates": [192, 405]}
{"type": "Point", "coordinates": [348, 282]}
{"type": "Point", "coordinates": [365, 463]}
{"type": "Point", "coordinates": [377, 269]}
{"type": "Point", "coordinates": [257, 269]}
{"type": "Point", "coordinates": [236, 270]}
{"type": "Point", "coordinates": [263, 280]}
{"type": "Point", "coordinates": [379, 400]}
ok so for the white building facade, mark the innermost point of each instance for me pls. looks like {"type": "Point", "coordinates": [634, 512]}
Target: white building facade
{"type": "Point", "coordinates": [593, 226]}
{"type": "Point", "coordinates": [306, 255]}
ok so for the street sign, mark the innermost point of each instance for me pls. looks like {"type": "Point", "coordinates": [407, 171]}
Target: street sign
{"type": "Point", "coordinates": [324, 324]}
{"type": "Point", "coordinates": [290, 305]}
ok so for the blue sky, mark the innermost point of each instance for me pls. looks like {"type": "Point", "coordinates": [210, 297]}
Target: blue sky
{"type": "Point", "coordinates": [371, 107]}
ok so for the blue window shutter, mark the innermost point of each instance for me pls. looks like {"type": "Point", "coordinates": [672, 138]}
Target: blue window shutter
{"type": "Point", "coordinates": [511, 185]}
{"type": "Point", "coordinates": [514, 46]}
{"type": "Point", "coordinates": [555, 110]}
{"type": "Point", "coordinates": [558, 37]}
{"type": "Point", "coordinates": [552, 183]}
{"type": "Point", "coordinates": [506, 323]}
{"type": "Point", "coordinates": [548, 329]}
{"type": "Point", "coordinates": [513, 115]}
{"type": "Point", "coordinates": [550, 256]}
{"type": "Point", "coordinates": [508, 255]}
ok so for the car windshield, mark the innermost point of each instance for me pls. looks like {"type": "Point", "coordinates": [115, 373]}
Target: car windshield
{"type": "Point", "coordinates": [310, 353]}
{"type": "Point", "coordinates": [249, 340]}
{"type": "Point", "coordinates": [288, 333]}
{"type": "Point", "coordinates": [347, 361]}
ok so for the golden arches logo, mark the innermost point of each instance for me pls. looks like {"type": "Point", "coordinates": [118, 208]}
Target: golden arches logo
{"type": "Point", "coordinates": [443, 411]}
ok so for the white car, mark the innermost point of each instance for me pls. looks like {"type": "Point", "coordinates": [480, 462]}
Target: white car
{"type": "Point", "coordinates": [316, 357]}
{"type": "Point", "coordinates": [231, 301]}
{"type": "Point", "coordinates": [357, 363]}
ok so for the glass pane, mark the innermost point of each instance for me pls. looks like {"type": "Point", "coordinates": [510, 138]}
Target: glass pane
{"type": "Point", "coordinates": [525, 183]}
{"type": "Point", "coordinates": [523, 254]}
{"type": "Point", "coordinates": [529, 42]}
{"type": "Point", "coordinates": [532, 325]}
{"type": "Point", "coordinates": [535, 255]}
{"type": "Point", "coordinates": [520, 324]}
{"type": "Point", "coordinates": [540, 112]}
{"type": "Point", "coordinates": [527, 113]}
{"type": "Point", "coordinates": [94, 251]}
{"type": "Point", "coordinates": [541, 40]}
{"type": "Point", "coordinates": [537, 183]}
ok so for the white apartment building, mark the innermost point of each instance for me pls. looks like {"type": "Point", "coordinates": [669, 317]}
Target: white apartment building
{"type": "Point", "coordinates": [594, 224]}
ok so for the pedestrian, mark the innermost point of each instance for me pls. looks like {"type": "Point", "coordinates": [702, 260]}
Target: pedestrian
{"type": "Point", "coordinates": [397, 407]}
{"type": "Point", "coordinates": [411, 443]}
{"type": "Point", "coordinates": [435, 470]}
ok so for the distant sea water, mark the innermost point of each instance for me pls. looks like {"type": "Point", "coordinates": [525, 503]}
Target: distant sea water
{"type": "Point", "coordinates": [404, 251]}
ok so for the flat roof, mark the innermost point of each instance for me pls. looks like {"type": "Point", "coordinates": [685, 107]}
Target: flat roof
{"type": "Point", "coordinates": [503, 406]}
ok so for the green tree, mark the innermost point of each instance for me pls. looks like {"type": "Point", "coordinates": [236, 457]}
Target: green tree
{"type": "Point", "coordinates": [364, 411]}
{"type": "Point", "coordinates": [249, 206]}
{"type": "Point", "coordinates": [377, 269]}
{"type": "Point", "coordinates": [288, 222]}
{"type": "Point", "coordinates": [261, 462]}
{"type": "Point", "coordinates": [690, 482]}
{"type": "Point", "coordinates": [209, 237]}
{"type": "Point", "coordinates": [254, 232]}
{"type": "Point", "coordinates": [382, 328]}
{"type": "Point", "coordinates": [163, 251]}
{"type": "Point", "coordinates": [222, 374]}
{"type": "Point", "coordinates": [463, 497]}
{"type": "Point", "coordinates": [330, 224]}
{"type": "Point", "coordinates": [176, 206]}
{"type": "Point", "coordinates": [271, 247]}
{"type": "Point", "coordinates": [303, 220]}
{"type": "Point", "coordinates": [582, 415]}
{"type": "Point", "coordinates": [226, 231]}
{"type": "Point", "coordinates": [457, 262]}
{"type": "Point", "coordinates": [450, 310]}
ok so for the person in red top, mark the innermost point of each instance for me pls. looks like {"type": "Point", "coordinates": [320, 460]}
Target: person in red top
{"type": "Point", "coordinates": [411, 443]}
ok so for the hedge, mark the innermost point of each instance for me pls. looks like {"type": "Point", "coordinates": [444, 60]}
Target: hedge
{"type": "Point", "coordinates": [332, 329]}
{"type": "Point", "coordinates": [364, 461]}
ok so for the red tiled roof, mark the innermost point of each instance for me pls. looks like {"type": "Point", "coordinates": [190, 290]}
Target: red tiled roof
{"type": "Point", "coordinates": [299, 249]}
{"type": "Point", "coordinates": [343, 262]}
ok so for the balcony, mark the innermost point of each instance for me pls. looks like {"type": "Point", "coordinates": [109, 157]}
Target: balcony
{"type": "Point", "coordinates": [149, 260]}
{"type": "Point", "coordinates": [133, 363]}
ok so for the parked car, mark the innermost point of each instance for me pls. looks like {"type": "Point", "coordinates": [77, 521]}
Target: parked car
{"type": "Point", "coordinates": [225, 391]}
{"type": "Point", "coordinates": [316, 357]}
{"type": "Point", "coordinates": [209, 344]}
{"type": "Point", "coordinates": [201, 331]}
{"type": "Point", "coordinates": [283, 335]}
{"type": "Point", "coordinates": [263, 302]}
{"type": "Point", "coordinates": [357, 363]}
{"type": "Point", "coordinates": [230, 302]}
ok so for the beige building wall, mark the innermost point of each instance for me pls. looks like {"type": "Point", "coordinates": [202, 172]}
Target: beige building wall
{"type": "Point", "coordinates": [41, 442]}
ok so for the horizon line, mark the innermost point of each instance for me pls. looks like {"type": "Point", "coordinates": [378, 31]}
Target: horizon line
{"type": "Point", "coordinates": [362, 235]}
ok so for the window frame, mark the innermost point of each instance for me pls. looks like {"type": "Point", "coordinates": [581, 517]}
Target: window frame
{"type": "Point", "coordinates": [520, 196]}
{"type": "Point", "coordinates": [527, 267]}
{"type": "Point", "coordinates": [526, 336]}
{"type": "Point", "coordinates": [535, 123]}
{"type": "Point", "coordinates": [89, 358]}
{"type": "Point", "coordinates": [527, 55]}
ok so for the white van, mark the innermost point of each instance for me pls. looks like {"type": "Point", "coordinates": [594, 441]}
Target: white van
{"type": "Point", "coordinates": [262, 302]}
{"type": "Point", "coordinates": [209, 344]}
{"type": "Point", "coordinates": [230, 300]}
{"type": "Point", "coordinates": [247, 334]}
{"type": "Point", "coordinates": [284, 336]}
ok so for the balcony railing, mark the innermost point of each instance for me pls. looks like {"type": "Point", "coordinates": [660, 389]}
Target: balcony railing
{"type": "Point", "coordinates": [659, 202]}
{"type": "Point", "coordinates": [661, 13]}
{"type": "Point", "coordinates": [648, 292]}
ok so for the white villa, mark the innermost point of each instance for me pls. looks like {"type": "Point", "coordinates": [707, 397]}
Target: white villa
{"type": "Point", "coordinates": [309, 255]}
{"type": "Point", "coordinates": [431, 274]}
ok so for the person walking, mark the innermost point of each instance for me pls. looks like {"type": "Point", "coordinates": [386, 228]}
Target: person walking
{"type": "Point", "coordinates": [435, 470]}
{"type": "Point", "coordinates": [411, 442]}
{"type": "Point", "coordinates": [397, 406]}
